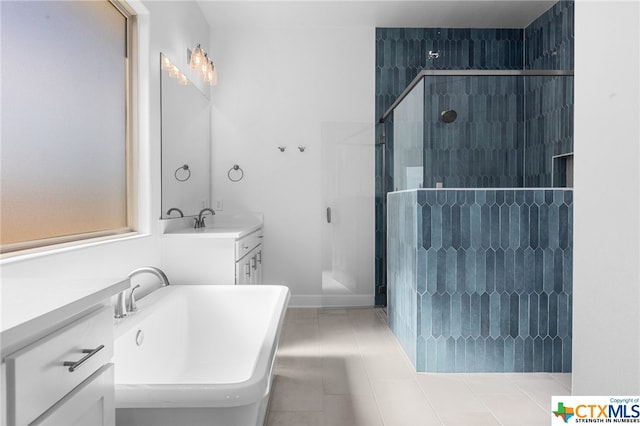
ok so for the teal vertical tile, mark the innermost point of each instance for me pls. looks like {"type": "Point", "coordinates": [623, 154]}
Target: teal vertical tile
{"type": "Point", "coordinates": [524, 226]}
{"type": "Point", "coordinates": [436, 315]}
{"type": "Point", "coordinates": [421, 350]}
{"type": "Point", "coordinates": [525, 315]}
{"type": "Point", "coordinates": [455, 226]}
{"type": "Point", "coordinates": [518, 359]}
{"type": "Point", "coordinates": [465, 314]}
{"type": "Point", "coordinates": [484, 315]}
{"type": "Point", "coordinates": [528, 354]}
{"type": "Point", "coordinates": [475, 216]}
{"type": "Point", "coordinates": [465, 226]}
{"type": "Point", "coordinates": [534, 318]}
{"type": "Point", "coordinates": [495, 225]}
{"type": "Point", "coordinates": [475, 315]}
{"type": "Point", "coordinates": [446, 226]}
{"type": "Point", "coordinates": [566, 355]}
{"type": "Point", "coordinates": [563, 225]}
{"type": "Point", "coordinates": [445, 310]}
{"type": "Point", "coordinates": [461, 262]}
{"type": "Point", "coordinates": [509, 354]}
{"type": "Point", "coordinates": [441, 271]}
{"type": "Point", "coordinates": [456, 315]}
{"type": "Point", "coordinates": [558, 269]}
{"type": "Point", "coordinates": [498, 358]}
{"type": "Point", "coordinates": [450, 360]}
{"type": "Point", "coordinates": [543, 315]}
{"type": "Point", "coordinates": [460, 344]}
{"type": "Point", "coordinates": [432, 269]}
{"type": "Point", "coordinates": [548, 276]}
{"type": "Point", "coordinates": [494, 315]}
{"type": "Point", "coordinates": [489, 355]}
{"type": "Point", "coordinates": [505, 222]}
{"type": "Point", "coordinates": [470, 271]}
{"type": "Point", "coordinates": [519, 270]}
{"type": "Point", "coordinates": [485, 226]}
{"type": "Point", "coordinates": [553, 314]}
{"type": "Point", "coordinates": [431, 357]}
{"type": "Point", "coordinates": [538, 355]}
{"type": "Point", "coordinates": [436, 226]}
{"type": "Point", "coordinates": [514, 226]}
{"type": "Point", "coordinates": [543, 226]}
{"type": "Point", "coordinates": [547, 349]}
{"type": "Point", "coordinates": [563, 315]}
{"type": "Point", "coordinates": [556, 356]}
{"type": "Point", "coordinates": [505, 308]}
{"type": "Point", "coordinates": [509, 270]}
{"type": "Point", "coordinates": [567, 270]}
{"type": "Point", "coordinates": [421, 270]}
{"type": "Point", "coordinates": [452, 268]}
{"type": "Point", "coordinates": [425, 315]}
{"type": "Point", "coordinates": [426, 225]}
{"type": "Point", "coordinates": [470, 354]}
{"type": "Point", "coordinates": [441, 354]}
{"type": "Point", "coordinates": [529, 270]}
{"type": "Point", "coordinates": [481, 265]}
{"type": "Point", "coordinates": [490, 271]}
{"type": "Point", "coordinates": [500, 270]}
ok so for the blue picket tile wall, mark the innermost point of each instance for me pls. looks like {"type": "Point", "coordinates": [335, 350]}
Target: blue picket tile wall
{"type": "Point", "coordinates": [487, 287]}
{"type": "Point", "coordinates": [547, 43]}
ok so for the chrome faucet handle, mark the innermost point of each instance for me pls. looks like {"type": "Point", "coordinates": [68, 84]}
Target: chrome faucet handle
{"type": "Point", "coordinates": [131, 302]}
{"type": "Point", "coordinates": [119, 310]}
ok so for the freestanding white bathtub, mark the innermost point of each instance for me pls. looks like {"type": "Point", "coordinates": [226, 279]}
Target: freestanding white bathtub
{"type": "Point", "coordinates": [198, 355]}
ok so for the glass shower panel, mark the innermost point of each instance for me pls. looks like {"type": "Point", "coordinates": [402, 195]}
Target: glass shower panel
{"type": "Point", "coordinates": [408, 135]}
{"type": "Point", "coordinates": [474, 132]}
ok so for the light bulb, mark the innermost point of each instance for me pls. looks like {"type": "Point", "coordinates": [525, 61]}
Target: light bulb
{"type": "Point", "coordinates": [204, 67]}
{"type": "Point", "coordinates": [212, 76]}
{"type": "Point", "coordinates": [197, 58]}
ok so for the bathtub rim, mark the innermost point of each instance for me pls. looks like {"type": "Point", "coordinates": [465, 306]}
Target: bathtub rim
{"type": "Point", "coordinates": [243, 393]}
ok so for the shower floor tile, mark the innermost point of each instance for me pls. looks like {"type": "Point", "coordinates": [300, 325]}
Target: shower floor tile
{"type": "Point", "coordinates": [344, 367]}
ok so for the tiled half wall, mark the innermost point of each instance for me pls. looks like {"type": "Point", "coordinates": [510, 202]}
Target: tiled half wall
{"type": "Point", "coordinates": [481, 280]}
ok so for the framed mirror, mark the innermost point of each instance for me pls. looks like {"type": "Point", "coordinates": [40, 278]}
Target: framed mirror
{"type": "Point", "coordinates": [186, 150]}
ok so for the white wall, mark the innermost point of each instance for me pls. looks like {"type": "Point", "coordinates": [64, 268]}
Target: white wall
{"type": "Point", "coordinates": [169, 27]}
{"type": "Point", "coordinates": [606, 321]}
{"type": "Point", "coordinates": [282, 87]}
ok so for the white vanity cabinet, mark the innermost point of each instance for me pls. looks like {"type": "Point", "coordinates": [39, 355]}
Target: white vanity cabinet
{"type": "Point", "coordinates": [213, 256]}
{"type": "Point", "coordinates": [248, 253]}
{"type": "Point", "coordinates": [57, 353]}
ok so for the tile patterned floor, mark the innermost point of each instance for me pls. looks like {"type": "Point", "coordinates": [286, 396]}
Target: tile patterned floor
{"type": "Point", "coordinates": [340, 367]}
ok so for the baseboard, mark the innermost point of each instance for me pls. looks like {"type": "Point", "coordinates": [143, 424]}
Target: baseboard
{"type": "Point", "coordinates": [331, 300]}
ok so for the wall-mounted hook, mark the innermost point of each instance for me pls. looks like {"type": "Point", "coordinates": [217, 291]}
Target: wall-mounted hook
{"type": "Point", "coordinates": [302, 148]}
{"type": "Point", "coordinates": [282, 148]}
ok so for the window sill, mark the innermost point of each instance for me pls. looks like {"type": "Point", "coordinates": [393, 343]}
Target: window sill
{"type": "Point", "coordinates": [37, 252]}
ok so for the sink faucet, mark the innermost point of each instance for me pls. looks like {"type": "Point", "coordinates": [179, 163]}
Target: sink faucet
{"type": "Point", "coordinates": [175, 209]}
{"type": "Point", "coordinates": [200, 219]}
{"type": "Point", "coordinates": [152, 270]}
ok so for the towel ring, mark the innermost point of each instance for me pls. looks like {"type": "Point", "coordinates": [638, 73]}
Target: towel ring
{"type": "Point", "coordinates": [237, 178]}
{"type": "Point", "coordinates": [186, 176]}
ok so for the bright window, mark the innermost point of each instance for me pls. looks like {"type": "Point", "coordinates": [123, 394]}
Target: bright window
{"type": "Point", "coordinates": [65, 149]}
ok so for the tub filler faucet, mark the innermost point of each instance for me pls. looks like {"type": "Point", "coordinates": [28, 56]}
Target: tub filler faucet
{"type": "Point", "coordinates": [126, 304]}
{"type": "Point", "coordinates": [200, 219]}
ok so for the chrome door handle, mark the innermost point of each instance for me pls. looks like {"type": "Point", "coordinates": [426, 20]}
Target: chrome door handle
{"type": "Point", "coordinates": [254, 262]}
{"type": "Point", "coordinates": [328, 214]}
{"type": "Point", "coordinates": [260, 257]}
{"type": "Point", "coordinates": [73, 365]}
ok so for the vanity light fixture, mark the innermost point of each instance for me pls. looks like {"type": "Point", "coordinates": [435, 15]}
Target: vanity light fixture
{"type": "Point", "coordinates": [199, 61]}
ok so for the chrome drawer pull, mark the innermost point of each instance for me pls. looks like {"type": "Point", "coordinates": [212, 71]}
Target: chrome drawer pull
{"type": "Point", "coordinates": [73, 366]}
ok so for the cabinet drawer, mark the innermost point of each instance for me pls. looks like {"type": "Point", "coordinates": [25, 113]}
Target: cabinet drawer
{"type": "Point", "coordinates": [37, 376]}
{"type": "Point", "coordinates": [245, 244]}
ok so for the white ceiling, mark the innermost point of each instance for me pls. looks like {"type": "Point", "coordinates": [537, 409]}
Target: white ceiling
{"type": "Point", "coordinates": [376, 13]}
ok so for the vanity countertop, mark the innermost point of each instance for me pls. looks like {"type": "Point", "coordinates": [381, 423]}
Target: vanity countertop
{"type": "Point", "coordinates": [219, 226]}
{"type": "Point", "coordinates": [30, 306]}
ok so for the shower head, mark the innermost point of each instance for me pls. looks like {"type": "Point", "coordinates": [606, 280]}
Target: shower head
{"type": "Point", "coordinates": [448, 116]}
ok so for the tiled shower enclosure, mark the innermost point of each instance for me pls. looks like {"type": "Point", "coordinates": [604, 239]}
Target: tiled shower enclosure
{"type": "Point", "coordinates": [480, 280]}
